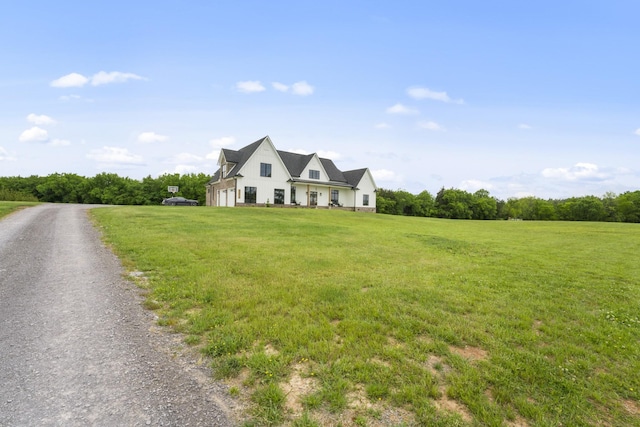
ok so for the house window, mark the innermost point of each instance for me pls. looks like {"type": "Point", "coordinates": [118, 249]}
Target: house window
{"type": "Point", "coordinates": [224, 171]}
{"type": "Point", "coordinates": [334, 196]}
{"type": "Point", "coordinates": [265, 170]}
{"type": "Point", "coordinates": [278, 196]}
{"type": "Point", "coordinates": [239, 194]}
{"type": "Point", "coordinates": [250, 194]}
{"type": "Point", "coordinates": [293, 194]}
{"type": "Point", "coordinates": [314, 174]}
{"type": "Point", "coordinates": [365, 200]}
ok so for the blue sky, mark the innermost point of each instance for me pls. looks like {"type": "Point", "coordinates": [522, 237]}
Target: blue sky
{"type": "Point", "coordinates": [537, 98]}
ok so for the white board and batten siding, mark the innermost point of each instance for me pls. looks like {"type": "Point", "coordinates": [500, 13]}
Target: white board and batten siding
{"type": "Point", "coordinates": [265, 186]}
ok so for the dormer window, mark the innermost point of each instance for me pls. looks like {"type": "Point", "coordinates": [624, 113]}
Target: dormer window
{"type": "Point", "coordinates": [224, 170]}
{"type": "Point", "coordinates": [313, 174]}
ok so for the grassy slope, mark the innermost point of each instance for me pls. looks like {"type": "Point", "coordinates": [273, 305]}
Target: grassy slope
{"type": "Point", "coordinates": [7, 207]}
{"type": "Point", "coordinates": [485, 322]}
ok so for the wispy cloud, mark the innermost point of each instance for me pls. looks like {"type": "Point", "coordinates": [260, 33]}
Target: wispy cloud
{"type": "Point", "coordinates": [637, 132]}
{"type": "Point", "coordinates": [59, 142]}
{"type": "Point", "coordinates": [301, 88]}
{"type": "Point", "coordinates": [401, 109]}
{"type": "Point", "coordinates": [40, 120]}
{"type": "Point", "coordinates": [430, 125]}
{"type": "Point", "coordinates": [524, 126]}
{"type": "Point", "coordinates": [5, 156]}
{"type": "Point", "coordinates": [250, 86]}
{"type": "Point", "coordinates": [98, 79]}
{"type": "Point", "coordinates": [382, 125]}
{"type": "Point", "coordinates": [151, 137]}
{"type": "Point", "coordinates": [280, 87]}
{"type": "Point", "coordinates": [222, 142]}
{"type": "Point", "coordinates": [333, 155]}
{"type": "Point", "coordinates": [417, 92]}
{"type": "Point", "coordinates": [114, 156]}
{"type": "Point", "coordinates": [35, 134]}
{"type": "Point", "coordinates": [579, 171]}
{"type": "Point", "coordinates": [384, 175]}
{"type": "Point", "coordinates": [103, 77]}
{"type": "Point", "coordinates": [473, 185]}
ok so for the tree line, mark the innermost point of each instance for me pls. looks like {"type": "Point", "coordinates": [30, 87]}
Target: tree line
{"type": "Point", "coordinates": [104, 188]}
{"type": "Point", "coordinates": [459, 204]}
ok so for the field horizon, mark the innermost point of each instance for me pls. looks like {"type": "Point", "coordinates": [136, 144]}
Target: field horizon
{"type": "Point", "coordinates": [339, 318]}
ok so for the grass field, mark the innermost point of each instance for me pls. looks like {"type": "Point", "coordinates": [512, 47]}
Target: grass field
{"type": "Point", "coordinates": [338, 318]}
{"type": "Point", "coordinates": [7, 207]}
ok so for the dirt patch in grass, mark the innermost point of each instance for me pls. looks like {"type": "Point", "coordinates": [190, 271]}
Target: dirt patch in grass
{"type": "Point", "coordinates": [450, 405]}
{"type": "Point", "coordinates": [631, 406]}
{"type": "Point", "coordinates": [270, 351]}
{"type": "Point", "coordinates": [518, 422]}
{"type": "Point", "coordinates": [437, 367]}
{"type": "Point", "coordinates": [380, 362]}
{"type": "Point", "coordinates": [470, 353]}
{"type": "Point", "coordinates": [536, 327]}
{"type": "Point", "coordinates": [297, 387]}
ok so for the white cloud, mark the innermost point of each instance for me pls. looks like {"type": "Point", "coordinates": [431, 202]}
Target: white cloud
{"type": "Point", "coordinates": [280, 87]}
{"type": "Point", "coordinates": [72, 98]}
{"type": "Point", "coordinates": [382, 125]}
{"type": "Point", "coordinates": [100, 78]}
{"type": "Point", "coordinates": [417, 92]}
{"type": "Point", "coordinates": [103, 77]}
{"type": "Point", "coordinates": [384, 175]}
{"type": "Point", "coordinates": [524, 126]}
{"type": "Point", "coordinates": [251, 86]}
{"type": "Point", "coordinates": [579, 171]}
{"type": "Point", "coordinates": [473, 185]}
{"type": "Point", "coordinates": [329, 155]}
{"type": "Point", "coordinates": [5, 156]}
{"type": "Point", "coordinates": [298, 151]}
{"type": "Point", "coordinates": [184, 158]}
{"type": "Point", "coordinates": [430, 125]}
{"type": "Point", "coordinates": [213, 155]}
{"type": "Point", "coordinates": [35, 134]}
{"type": "Point", "coordinates": [185, 169]}
{"type": "Point", "coordinates": [151, 137]}
{"type": "Point", "coordinates": [222, 142]}
{"type": "Point", "coordinates": [59, 142]}
{"type": "Point", "coordinates": [40, 120]}
{"type": "Point", "coordinates": [637, 132]}
{"type": "Point", "coordinates": [401, 109]}
{"type": "Point", "coordinates": [114, 156]}
{"type": "Point", "coordinates": [302, 88]}
{"type": "Point", "coordinates": [70, 80]}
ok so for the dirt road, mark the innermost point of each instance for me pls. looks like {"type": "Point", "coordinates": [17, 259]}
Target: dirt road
{"type": "Point", "coordinates": [76, 347]}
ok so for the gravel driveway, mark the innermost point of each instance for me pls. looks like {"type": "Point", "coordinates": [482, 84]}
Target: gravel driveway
{"type": "Point", "coordinates": [76, 346]}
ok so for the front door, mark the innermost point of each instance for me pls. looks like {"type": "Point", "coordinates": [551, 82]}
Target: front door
{"type": "Point", "coordinates": [313, 198]}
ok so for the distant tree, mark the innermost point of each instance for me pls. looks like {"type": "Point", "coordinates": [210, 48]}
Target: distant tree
{"type": "Point", "coordinates": [588, 208]}
{"type": "Point", "coordinates": [628, 206]}
{"type": "Point", "coordinates": [62, 188]}
{"type": "Point", "coordinates": [425, 204]}
{"type": "Point", "coordinates": [454, 204]}
{"type": "Point", "coordinates": [483, 206]}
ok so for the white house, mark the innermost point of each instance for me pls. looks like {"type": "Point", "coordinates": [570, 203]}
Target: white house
{"type": "Point", "coordinates": [260, 175]}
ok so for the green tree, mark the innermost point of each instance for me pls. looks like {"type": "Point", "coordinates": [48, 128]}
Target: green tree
{"type": "Point", "coordinates": [454, 204]}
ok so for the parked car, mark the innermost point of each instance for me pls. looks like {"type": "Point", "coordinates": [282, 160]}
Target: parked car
{"type": "Point", "coordinates": [179, 201]}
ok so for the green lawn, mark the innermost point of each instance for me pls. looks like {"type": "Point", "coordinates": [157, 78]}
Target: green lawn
{"type": "Point", "coordinates": [7, 207]}
{"type": "Point", "coordinates": [331, 317]}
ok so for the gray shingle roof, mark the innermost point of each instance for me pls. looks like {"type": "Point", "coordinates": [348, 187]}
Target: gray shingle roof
{"type": "Point", "coordinates": [353, 177]}
{"type": "Point", "coordinates": [294, 162]}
